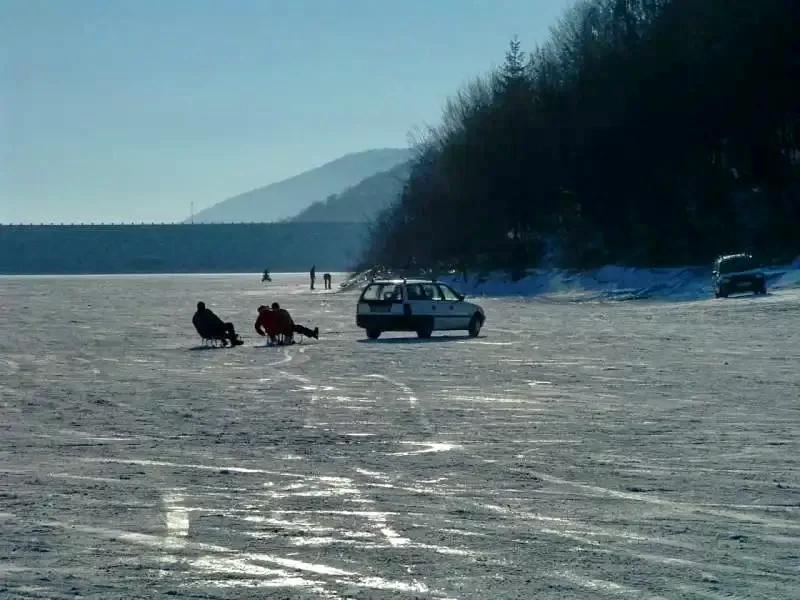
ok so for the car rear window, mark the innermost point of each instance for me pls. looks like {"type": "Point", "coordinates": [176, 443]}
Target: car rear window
{"type": "Point", "coordinates": [383, 291]}
{"type": "Point", "coordinates": [739, 263]}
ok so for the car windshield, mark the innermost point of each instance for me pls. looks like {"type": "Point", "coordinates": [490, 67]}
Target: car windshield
{"type": "Point", "coordinates": [383, 291]}
{"type": "Point", "coordinates": [737, 263]}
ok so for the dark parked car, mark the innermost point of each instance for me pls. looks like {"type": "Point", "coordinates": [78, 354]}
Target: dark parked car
{"type": "Point", "coordinates": [737, 273]}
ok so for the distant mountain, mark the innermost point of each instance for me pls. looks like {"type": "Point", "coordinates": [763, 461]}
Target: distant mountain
{"type": "Point", "coordinates": [361, 202]}
{"type": "Point", "coordinates": [284, 199]}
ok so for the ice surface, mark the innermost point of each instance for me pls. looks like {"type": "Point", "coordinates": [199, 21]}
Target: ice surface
{"type": "Point", "coordinates": [578, 449]}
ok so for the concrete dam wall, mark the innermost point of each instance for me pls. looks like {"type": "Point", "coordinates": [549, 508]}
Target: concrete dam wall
{"type": "Point", "coordinates": [179, 248]}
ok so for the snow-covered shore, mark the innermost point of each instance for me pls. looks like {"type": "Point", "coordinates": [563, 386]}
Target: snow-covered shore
{"type": "Point", "coordinates": [609, 282]}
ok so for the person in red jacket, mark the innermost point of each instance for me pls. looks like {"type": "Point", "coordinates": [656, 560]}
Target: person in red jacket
{"type": "Point", "coordinates": [286, 326]}
{"type": "Point", "coordinates": [267, 324]}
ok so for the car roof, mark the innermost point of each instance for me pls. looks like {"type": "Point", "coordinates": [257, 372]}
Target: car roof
{"type": "Point", "coordinates": [732, 256]}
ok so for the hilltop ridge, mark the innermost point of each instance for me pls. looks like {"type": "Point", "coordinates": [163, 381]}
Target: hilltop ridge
{"type": "Point", "coordinates": [285, 199]}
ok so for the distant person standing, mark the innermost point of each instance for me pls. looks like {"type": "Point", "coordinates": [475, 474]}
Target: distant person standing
{"type": "Point", "coordinates": [326, 278]}
{"type": "Point", "coordinates": [313, 275]}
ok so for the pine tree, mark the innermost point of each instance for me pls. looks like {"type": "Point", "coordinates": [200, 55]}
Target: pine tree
{"type": "Point", "coordinates": [512, 75]}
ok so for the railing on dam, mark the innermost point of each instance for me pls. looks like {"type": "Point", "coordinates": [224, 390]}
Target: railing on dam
{"type": "Point", "coordinates": [179, 248]}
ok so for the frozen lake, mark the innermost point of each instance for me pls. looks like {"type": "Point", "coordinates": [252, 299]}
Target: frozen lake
{"type": "Point", "coordinates": [574, 450]}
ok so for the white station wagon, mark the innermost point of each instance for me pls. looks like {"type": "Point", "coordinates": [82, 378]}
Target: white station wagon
{"type": "Point", "coordinates": [417, 305]}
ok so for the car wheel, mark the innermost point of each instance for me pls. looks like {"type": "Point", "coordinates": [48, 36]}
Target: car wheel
{"type": "Point", "coordinates": [475, 325]}
{"type": "Point", "coordinates": [723, 292]}
{"type": "Point", "coordinates": [762, 288]}
{"type": "Point", "coordinates": [373, 334]}
{"type": "Point", "coordinates": [425, 329]}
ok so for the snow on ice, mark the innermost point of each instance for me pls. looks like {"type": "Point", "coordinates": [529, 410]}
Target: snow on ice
{"type": "Point", "coordinates": [581, 447]}
{"type": "Point", "coordinates": [613, 282]}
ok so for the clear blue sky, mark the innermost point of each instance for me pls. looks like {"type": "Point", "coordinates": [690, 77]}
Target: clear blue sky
{"type": "Point", "coordinates": [128, 110]}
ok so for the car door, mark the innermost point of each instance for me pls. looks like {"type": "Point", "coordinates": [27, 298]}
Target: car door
{"type": "Point", "coordinates": [436, 306]}
{"type": "Point", "coordinates": [459, 311]}
{"type": "Point", "coordinates": [416, 302]}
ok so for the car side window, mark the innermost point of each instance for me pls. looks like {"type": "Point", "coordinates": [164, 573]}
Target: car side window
{"type": "Point", "coordinates": [447, 293]}
{"type": "Point", "coordinates": [415, 292]}
{"type": "Point", "coordinates": [431, 292]}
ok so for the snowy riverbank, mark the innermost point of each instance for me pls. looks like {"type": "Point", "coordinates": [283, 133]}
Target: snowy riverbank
{"type": "Point", "coordinates": [609, 282]}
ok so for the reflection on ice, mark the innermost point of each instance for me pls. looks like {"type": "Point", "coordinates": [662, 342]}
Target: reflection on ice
{"type": "Point", "coordinates": [379, 583]}
{"type": "Point", "coordinates": [234, 566]}
{"type": "Point", "coordinates": [427, 447]}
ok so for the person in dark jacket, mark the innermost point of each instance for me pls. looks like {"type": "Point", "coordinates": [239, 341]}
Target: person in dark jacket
{"type": "Point", "coordinates": [313, 275]}
{"type": "Point", "coordinates": [211, 327]}
{"type": "Point", "coordinates": [286, 326]}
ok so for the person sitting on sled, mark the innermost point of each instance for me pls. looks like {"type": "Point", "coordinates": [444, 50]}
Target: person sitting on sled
{"type": "Point", "coordinates": [286, 326]}
{"type": "Point", "coordinates": [267, 324]}
{"type": "Point", "coordinates": [211, 327]}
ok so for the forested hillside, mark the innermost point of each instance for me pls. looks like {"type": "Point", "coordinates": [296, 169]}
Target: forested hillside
{"type": "Point", "coordinates": [644, 132]}
{"type": "Point", "coordinates": [361, 202]}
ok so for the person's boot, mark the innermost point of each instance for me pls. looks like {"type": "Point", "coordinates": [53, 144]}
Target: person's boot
{"type": "Point", "coordinates": [316, 333]}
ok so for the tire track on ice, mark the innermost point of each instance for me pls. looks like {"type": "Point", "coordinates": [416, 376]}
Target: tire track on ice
{"type": "Point", "coordinates": [12, 367]}
{"type": "Point", "coordinates": [222, 560]}
{"type": "Point", "coordinates": [681, 507]}
{"type": "Point", "coordinates": [601, 586]}
{"type": "Point", "coordinates": [413, 401]}
{"type": "Point", "coordinates": [288, 357]}
{"type": "Point", "coordinates": [221, 566]}
{"type": "Point", "coordinates": [176, 526]}
{"type": "Point", "coordinates": [774, 576]}
{"type": "Point", "coordinates": [308, 385]}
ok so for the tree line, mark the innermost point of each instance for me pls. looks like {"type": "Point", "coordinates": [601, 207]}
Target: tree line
{"type": "Point", "coordinates": [643, 133]}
